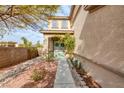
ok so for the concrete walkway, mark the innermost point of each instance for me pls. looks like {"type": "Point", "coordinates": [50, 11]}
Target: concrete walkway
{"type": "Point", "coordinates": [64, 78]}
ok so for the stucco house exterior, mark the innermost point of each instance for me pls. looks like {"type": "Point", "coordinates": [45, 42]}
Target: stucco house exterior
{"type": "Point", "coordinates": [58, 26]}
{"type": "Point", "coordinates": [99, 36]}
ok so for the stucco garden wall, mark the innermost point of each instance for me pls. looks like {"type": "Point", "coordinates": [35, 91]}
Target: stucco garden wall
{"type": "Point", "coordinates": [13, 55]}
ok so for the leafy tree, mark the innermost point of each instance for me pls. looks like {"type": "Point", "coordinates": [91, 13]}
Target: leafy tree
{"type": "Point", "coordinates": [26, 43]}
{"type": "Point", "coordinates": [69, 43]}
{"type": "Point", "coordinates": [38, 45]}
{"type": "Point", "coordinates": [23, 16]}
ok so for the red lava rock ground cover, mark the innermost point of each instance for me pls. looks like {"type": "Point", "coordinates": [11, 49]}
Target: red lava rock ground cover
{"type": "Point", "coordinates": [2, 70]}
{"type": "Point", "coordinates": [24, 80]}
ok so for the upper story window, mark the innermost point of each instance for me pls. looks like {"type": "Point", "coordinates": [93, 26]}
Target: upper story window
{"type": "Point", "coordinates": [64, 24]}
{"type": "Point", "coordinates": [54, 24]}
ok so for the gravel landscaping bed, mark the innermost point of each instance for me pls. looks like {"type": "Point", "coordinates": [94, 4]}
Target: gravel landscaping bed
{"type": "Point", "coordinates": [24, 80]}
{"type": "Point", "coordinates": [82, 79]}
{"type": "Point", "coordinates": [15, 70]}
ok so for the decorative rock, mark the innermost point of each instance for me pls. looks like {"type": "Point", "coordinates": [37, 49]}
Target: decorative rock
{"type": "Point", "coordinates": [80, 78]}
{"type": "Point", "coordinates": [18, 68]}
{"type": "Point", "coordinates": [78, 75]}
{"type": "Point", "coordinates": [85, 87]}
{"type": "Point", "coordinates": [83, 83]}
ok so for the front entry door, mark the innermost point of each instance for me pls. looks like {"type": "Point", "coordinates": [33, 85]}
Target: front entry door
{"type": "Point", "coordinates": [58, 49]}
{"type": "Point", "coordinates": [58, 46]}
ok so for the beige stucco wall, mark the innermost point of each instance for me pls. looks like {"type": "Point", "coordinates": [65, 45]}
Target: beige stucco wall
{"type": "Point", "coordinates": [74, 11]}
{"type": "Point", "coordinates": [14, 55]}
{"type": "Point", "coordinates": [100, 38]}
{"type": "Point", "coordinates": [78, 26]}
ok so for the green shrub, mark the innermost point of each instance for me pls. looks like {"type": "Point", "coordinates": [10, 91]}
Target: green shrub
{"type": "Point", "coordinates": [76, 64]}
{"type": "Point", "coordinates": [69, 43]}
{"type": "Point", "coordinates": [37, 75]}
{"type": "Point", "coordinates": [49, 57]}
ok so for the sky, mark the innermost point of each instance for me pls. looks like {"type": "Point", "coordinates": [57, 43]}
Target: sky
{"type": "Point", "coordinates": [32, 35]}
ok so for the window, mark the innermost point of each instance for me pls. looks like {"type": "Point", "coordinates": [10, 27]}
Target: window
{"type": "Point", "coordinates": [54, 24]}
{"type": "Point", "coordinates": [64, 24]}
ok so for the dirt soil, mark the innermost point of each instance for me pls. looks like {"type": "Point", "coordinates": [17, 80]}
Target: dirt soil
{"type": "Point", "coordinates": [23, 80]}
